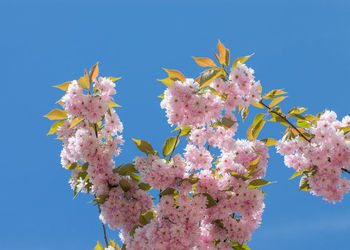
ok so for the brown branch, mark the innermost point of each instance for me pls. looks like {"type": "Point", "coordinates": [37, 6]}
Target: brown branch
{"type": "Point", "coordinates": [286, 120]}
{"type": "Point", "coordinates": [345, 170]}
{"type": "Point", "coordinates": [103, 226]}
{"type": "Point", "coordinates": [177, 138]}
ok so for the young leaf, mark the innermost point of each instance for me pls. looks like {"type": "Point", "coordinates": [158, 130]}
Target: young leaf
{"type": "Point", "coordinates": [297, 173]}
{"type": "Point", "coordinates": [169, 145]}
{"type": "Point", "coordinates": [242, 60]}
{"type": "Point", "coordinates": [167, 81]}
{"type": "Point", "coordinates": [304, 183]}
{"type": "Point", "coordinates": [227, 122]}
{"type": "Point", "coordinates": [113, 104]}
{"type": "Point", "coordinates": [125, 185]}
{"type": "Point", "coordinates": [274, 93]}
{"type": "Point", "coordinates": [76, 121]}
{"type": "Point", "coordinates": [145, 186]}
{"type": "Point", "coordinates": [146, 218]}
{"type": "Point", "coordinates": [55, 126]}
{"type": "Point", "coordinates": [175, 75]}
{"type": "Point", "coordinates": [113, 79]}
{"type": "Point", "coordinates": [222, 53]}
{"type": "Point", "coordinates": [258, 183]}
{"type": "Point", "coordinates": [63, 86]}
{"type": "Point", "coordinates": [84, 81]}
{"type": "Point", "coordinates": [303, 124]}
{"type": "Point", "coordinates": [297, 110]}
{"type": "Point", "coordinates": [211, 201]}
{"type": "Point", "coordinates": [269, 142]}
{"type": "Point", "coordinates": [56, 114]}
{"type": "Point", "coordinates": [126, 169]}
{"type": "Point", "coordinates": [210, 75]}
{"type": "Point", "coordinates": [99, 246]}
{"type": "Point", "coordinates": [169, 191]}
{"type": "Point", "coordinates": [93, 73]}
{"type": "Point", "coordinates": [204, 62]}
{"type": "Point", "coordinates": [144, 146]}
{"type": "Point", "coordinates": [244, 113]}
{"type": "Point", "coordinates": [258, 105]}
{"type": "Point", "coordinates": [277, 100]}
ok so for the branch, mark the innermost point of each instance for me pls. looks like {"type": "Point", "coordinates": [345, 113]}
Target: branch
{"type": "Point", "coordinates": [103, 226]}
{"type": "Point", "coordinates": [286, 120]}
{"type": "Point", "coordinates": [345, 170]}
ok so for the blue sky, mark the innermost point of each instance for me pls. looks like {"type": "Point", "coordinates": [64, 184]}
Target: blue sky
{"type": "Point", "coordinates": [301, 46]}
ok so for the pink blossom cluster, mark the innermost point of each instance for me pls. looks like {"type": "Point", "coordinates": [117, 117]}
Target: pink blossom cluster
{"type": "Point", "coordinates": [323, 158]}
{"type": "Point", "coordinates": [186, 105]}
{"type": "Point", "coordinates": [95, 141]}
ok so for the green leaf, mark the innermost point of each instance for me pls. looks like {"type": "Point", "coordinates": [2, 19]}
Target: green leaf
{"type": "Point", "coordinates": [72, 166]}
{"type": "Point", "coordinates": [146, 218]}
{"type": "Point", "coordinates": [211, 201]}
{"type": "Point", "coordinates": [145, 186]}
{"type": "Point", "coordinates": [124, 184]}
{"type": "Point", "coordinates": [192, 180]}
{"type": "Point", "coordinates": [206, 89]}
{"type": "Point", "coordinates": [144, 146]}
{"type": "Point", "coordinates": [84, 81]}
{"type": "Point", "coordinates": [277, 100]}
{"type": "Point", "coordinates": [258, 183]}
{"type": "Point", "coordinates": [75, 121]}
{"type": "Point", "coordinates": [273, 93]}
{"type": "Point", "coordinates": [99, 246]}
{"type": "Point", "coordinates": [254, 130]}
{"type": "Point", "coordinates": [113, 79]}
{"type": "Point", "coordinates": [269, 142]}
{"type": "Point", "coordinates": [210, 75]}
{"type": "Point", "coordinates": [185, 131]}
{"type": "Point", "coordinates": [126, 169]}
{"type": "Point", "coordinates": [161, 96]}
{"type": "Point", "coordinates": [297, 110]}
{"type": "Point", "coordinates": [345, 130]}
{"type": "Point", "coordinates": [297, 173]}
{"type": "Point", "coordinates": [55, 126]}
{"type": "Point", "coordinates": [135, 177]}
{"type": "Point", "coordinates": [101, 199]}
{"type": "Point", "coordinates": [242, 60]}
{"type": "Point", "coordinates": [169, 191]}
{"type": "Point", "coordinates": [297, 116]}
{"type": "Point", "coordinates": [258, 105]}
{"type": "Point", "coordinates": [311, 118]}
{"type": "Point", "coordinates": [238, 246]}
{"type": "Point", "coordinates": [167, 81]}
{"type": "Point", "coordinates": [303, 124]}
{"type": "Point", "coordinates": [169, 145]}
{"type": "Point", "coordinates": [227, 122]}
{"type": "Point", "coordinates": [132, 231]}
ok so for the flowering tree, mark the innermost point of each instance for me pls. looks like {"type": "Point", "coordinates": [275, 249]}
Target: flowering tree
{"type": "Point", "coordinates": [210, 197]}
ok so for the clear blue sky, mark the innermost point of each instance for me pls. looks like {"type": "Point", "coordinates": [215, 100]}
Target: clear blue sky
{"type": "Point", "coordinates": [301, 46]}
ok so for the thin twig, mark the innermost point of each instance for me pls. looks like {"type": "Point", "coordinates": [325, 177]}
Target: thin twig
{"type": "Point", "coordinates": [345, 170]}
{"type": "Point", "coordinates": [177, 138]}
{"type": "Point", "coordinates": [286, 120]}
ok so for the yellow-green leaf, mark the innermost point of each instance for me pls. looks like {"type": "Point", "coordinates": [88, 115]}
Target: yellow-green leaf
{"type": "Point", "coordinates": [210, 75]}
{"type": "Point", "coordinates": [167, 81]}
{"type": "Point", "coordinates": [144, 146]}
{"type": "Point", "coordinates": [76, 121]}
{"type": "Point", "coordinates": [55, 126]}
{"type": "Point", "coordinates": [63, 86]}
{"type": "Point", "coordinates": [98, 246]}
{"type": "Point", "coordinates": [242, 60]}
{"type": "Point", "coordinates": [297, 173]}
{"type": "Point", "coordinates": [175, 75]}
{"type": "Point", "coordinates": [113, 104]}
{"type": "Point", "coordinates": [258, 105]}
{"type": "Point", "coordinates": [269, 142]}
{"type": "Point", "coordinates": [204, 62]}
{"type": "Point", "coordinates": [113, 79]}
{"type": "Point", "coordinates": [56, 114]}
{"type": "Point", "coordinates": [277, 100]}
{"type": "Point", "coordinates": [93, 72]}
{"type": "Point", "coordinates": [297, 110]}
{"type": "Point", "coordinates": [84, 81]}
{"type": "Point", "coordinates": [258, 183]}
{"type": "Point", "coordinates": [169, 145]}
{"type": "Point", "coordinates": [274, 93]}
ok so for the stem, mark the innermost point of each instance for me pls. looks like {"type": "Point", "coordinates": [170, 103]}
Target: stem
{"type": "Point", "coordinates": [286, 120]}
{"type": "Point", "coordinates": [177, 138]}
{"type": "Point", "coordinates": [103, 226]}
{"type": "Point", "coordinates": [345, 170]}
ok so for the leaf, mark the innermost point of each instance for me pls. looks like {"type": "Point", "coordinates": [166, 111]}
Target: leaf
{"type": "Point", "coordinates": [126, 169]}
{"type": "Point", "coordinates": [168, 191]}
{"type": "Point", "coordinates": [258, 183]}
{"type": "Point", "coordinates": [277, 100]}
{"type": "Point", "coordinates": [297, 173]}
{"type": "Point", "coordinates": [113, 104]}
{"type": "Point", "coordinates": [242, 60]}
{"type": "Point", "coordinates": [222, 53]}
{"type": "Point", "coordinates": [311, 118]}
{"type": "Point", "coordinates": [175, 75]}
{"type": "Point", "coordinates": [185, 131]}
{"type": "Point", "coordinates": [210, 75]}
{"type": "Point", "coordinates": [98, 246]}
{"type": "Point", "coordinates": [135, 177]}
{"type": "Point", "coordinates": [55, 126]}
{"type": "Point", "coordinates": [72, 166]}
{"type": "Point", "coordinates": [211, 201]}
{"type": "Point", "coordinates": [303, 124]}
{"type": "Point", "coordinates": [204, 62]}
{"type": "Point", "coordinates": [93, 72]}
{"type": "Point", "coordinates": [145, 186]}
{"type": "Point", "coordinates": [238, 246]}
{"type": "Point", "coordinates": [124, 184]}
{"type": "Point", "coordinates": [297, 110]}
{"type": "Point", "coordinates": [113, 79]}
{"type": "Point", "coordinates": [297, 116]}
{"type": "Point", "coordinates": [84, 81]}
{"type": "Point", "coordinates": [169, 145]}
{"type": "Point", "coordinates": [244, 113]}
{"type": "Point", "coordinates": [146, 218]}
{"type": "Point", "coordinates": [273, 93]}
{"type": "Point", "coordinates": [56, 114]}
{"type": "Point", "coordinates": [167, 81]}
{"type": "Point", "coordinates": [161, 96]}
{"type": "Point", "coordinates": [304, 183]}
{"type": "Point", "coordinates": [144, 146]}
{"type": "Point", "coordinates": [258, 105]}
{"type": "Point", "coordinates": [227, 122]}
{"type": "Point", "coordinates": [256, 120]}
{"type": "Point", "coordinates": [63, 86]}
{"type": "Point", "coordinates": [76, 121]}
{"type": "Point", "coordinates": [269, 142]}
{"type": "Point", "coordinates": [345, 130]}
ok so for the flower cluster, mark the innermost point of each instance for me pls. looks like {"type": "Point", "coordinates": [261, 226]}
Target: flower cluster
{"type": "Point", "coordinates": [322, 159]}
